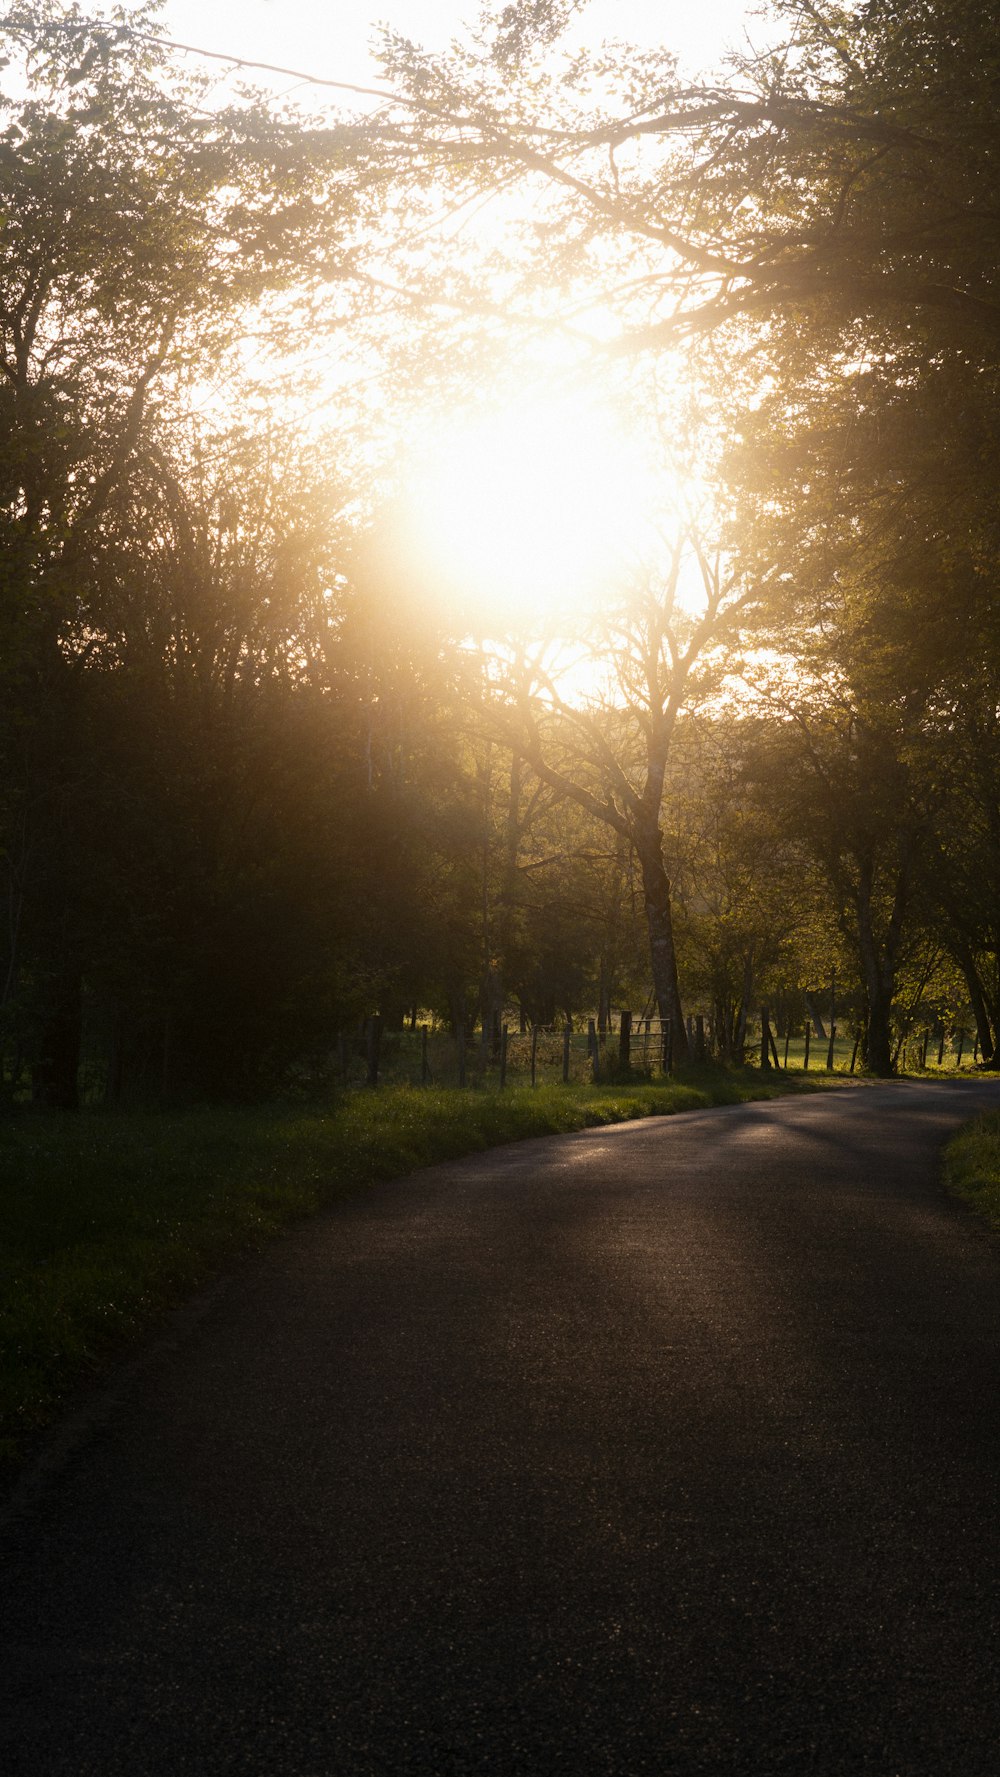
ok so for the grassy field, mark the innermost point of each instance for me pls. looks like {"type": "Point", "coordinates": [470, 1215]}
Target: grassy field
{"type": "Point", "coordinates": [107, 1220]}
{"type": "Point", "coordinates": [972, 1166]}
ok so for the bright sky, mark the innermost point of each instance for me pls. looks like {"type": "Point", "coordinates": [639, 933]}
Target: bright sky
{"type": "Point", "coordinates": [332, 38]}
{"type": "Point", "coordinates": [527, 508]}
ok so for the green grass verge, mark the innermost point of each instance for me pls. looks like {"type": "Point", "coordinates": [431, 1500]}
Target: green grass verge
{"type": "Point", "coordinates": [108, 1220]}
{"type": "Point", "coordinates": [972, 1166]}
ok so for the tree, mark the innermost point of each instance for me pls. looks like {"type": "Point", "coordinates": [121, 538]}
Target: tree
{"type": "Point", "coordinates": [828, 215]}
{"type": "Point", "coordinates": [144, 238]}
{"type": "Point", "coordinates": [841, 784]}
{"type": "Point", "coordinates": [842, 179]}
{"type": "Point", "coordinates": [610, 755]}
{"type": "Point", "coordinates": [188, 875]}
{"type": "Point", "coordinates": [817, 236]}
{"type": "Point", "coordinates": [755, 923]}
{"type": "Point", "coordinates": [961, 769]}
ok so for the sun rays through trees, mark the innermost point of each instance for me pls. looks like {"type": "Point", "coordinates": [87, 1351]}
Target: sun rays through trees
{"type": "Point", "coordinates": [515, 546]}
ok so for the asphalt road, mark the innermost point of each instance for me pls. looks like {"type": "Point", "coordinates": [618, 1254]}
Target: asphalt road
{"type": "Point", "coordinates": [668, 1448]}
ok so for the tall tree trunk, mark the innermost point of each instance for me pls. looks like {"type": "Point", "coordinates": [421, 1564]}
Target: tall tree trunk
{"type": "Point", "coordinates": [739, 1050]}
{"type": "Point", "coordinates": [977, 1000]}
{"type": "Point", "coordinates": [491, 1004]}
{"type": "Point", "coordinates": [604, 995]}
{"type": "Point", "coordinates": [457, 1004]}
{"type": "Point", "coordinates": [662, 951]}
{"type": "Point", "coordinates": [878, 972]}
{"type": "Point", "coordinates": [876, 1040]}
{"type": "Point", "coordinates": [490, 987]}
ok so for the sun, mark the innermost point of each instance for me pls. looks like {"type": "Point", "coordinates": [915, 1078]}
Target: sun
{"type": "Point", "coordinates": [527, 512]}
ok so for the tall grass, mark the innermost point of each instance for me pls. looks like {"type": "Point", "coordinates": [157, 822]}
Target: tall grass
{"type": "Point", "coordinates": [972, 1165]}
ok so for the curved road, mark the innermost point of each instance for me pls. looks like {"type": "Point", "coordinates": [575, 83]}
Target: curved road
{"type": "Point", "coordinates": [667, 1448]}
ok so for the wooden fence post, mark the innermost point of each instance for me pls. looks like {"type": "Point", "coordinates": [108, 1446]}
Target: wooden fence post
{"type": "Point", "coordinates": [503, 1056]}
{"type": "Point", "coordinates": [805, 1059]}
{"type": "Point", "coordinates": [788, 1033]}
{"type": "Point", "coordinates": [625, 1043]}
{"type": "Point", "coordinates": [567, 1034]}
{"type": "Point", "coordinates": [373, 1047]}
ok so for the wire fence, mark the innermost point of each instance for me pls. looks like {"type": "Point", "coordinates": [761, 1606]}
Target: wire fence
{"type": "Point", "coordinates": [431, 1055]}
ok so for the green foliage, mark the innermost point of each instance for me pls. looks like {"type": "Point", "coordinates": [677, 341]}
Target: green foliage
{"type": "Point", "coordinates": [972, 1166]}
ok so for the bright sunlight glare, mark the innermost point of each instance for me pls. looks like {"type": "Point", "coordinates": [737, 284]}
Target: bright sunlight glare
{"type": "Point", "coordinates": [527, 514]}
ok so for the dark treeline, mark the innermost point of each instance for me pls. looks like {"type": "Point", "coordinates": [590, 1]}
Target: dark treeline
{"type": "Point", "coordinates": [257, 786]}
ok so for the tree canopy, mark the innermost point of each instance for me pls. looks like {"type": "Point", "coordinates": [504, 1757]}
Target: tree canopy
{"type": "Point", "coordinates": [261, 777]}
